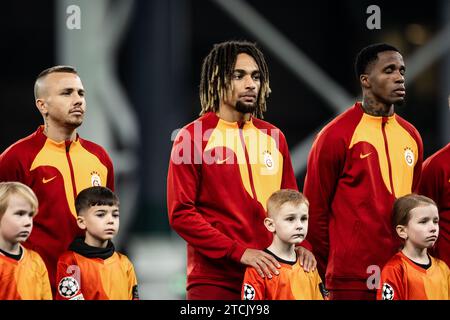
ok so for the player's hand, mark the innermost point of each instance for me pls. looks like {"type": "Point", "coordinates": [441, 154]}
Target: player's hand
{"type": "Point", "coordinates": [264, 263]}
{"type": "Point", "coordinates": [306, 258]}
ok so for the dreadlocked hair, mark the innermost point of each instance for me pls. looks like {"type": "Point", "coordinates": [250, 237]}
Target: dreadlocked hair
{"type": "Point", "coordinates": [217, 68]}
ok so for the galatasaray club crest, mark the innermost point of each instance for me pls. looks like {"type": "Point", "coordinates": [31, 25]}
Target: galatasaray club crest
{"type": "Point", "coordinates": [95, 179]}
{"type": "Point", "coordinates": [409, 157]}
{"type": "Point", "coordinates": [268, 160]}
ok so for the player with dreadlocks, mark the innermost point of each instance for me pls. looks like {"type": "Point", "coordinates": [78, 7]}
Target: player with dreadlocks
{"type": "Point", "coordinates": [223, 168]}
{"type": "Point", "coordinates": [215, 81]}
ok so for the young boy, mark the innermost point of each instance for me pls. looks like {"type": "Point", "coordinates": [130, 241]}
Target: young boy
{"type": "Point", "coordinates": [23, 275]}
{"type": "Point", "coordinates": [288, 221]}
{"type": "Point", "coordinates": [412, 274]}
{"type": "Point", "coordinates": [91, 269]}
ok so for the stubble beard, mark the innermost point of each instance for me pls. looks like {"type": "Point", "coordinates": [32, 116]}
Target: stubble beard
{"type": "Point", "coordinates": [74, 124]}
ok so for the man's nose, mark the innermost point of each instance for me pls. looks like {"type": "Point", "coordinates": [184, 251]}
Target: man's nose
{"type": "Point", "coordinates": [78, 99]}
{"type": "Point", "coordinates": [400, 78]}
{"type": "Point", "coordinates": [249, 82]}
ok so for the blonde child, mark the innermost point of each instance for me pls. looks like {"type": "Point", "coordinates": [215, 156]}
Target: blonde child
{"type": "Point", "coordinates": [412, 274]}
{"type": "Point", "coordinates": [91, 269]}
{"type": "Point", "coordinates": [288, 221]}
{"type": "Point", "coordinates": [23, 275]}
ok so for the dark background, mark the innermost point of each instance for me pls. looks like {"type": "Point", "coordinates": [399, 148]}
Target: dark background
{"type": "Point", "coordinates": [160, 54]}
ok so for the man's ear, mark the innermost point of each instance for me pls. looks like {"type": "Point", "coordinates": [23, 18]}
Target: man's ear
{"type": "Point", "coordinates": [80, 222]}
{"type": "Point", "coordinates": [42, 107]}
{"type": "Point", "coordinates": [364, 79]}
{"type": "Point", "coordinates": [268, 222]}
{"type": "Point", "coordinates": [402, 231]}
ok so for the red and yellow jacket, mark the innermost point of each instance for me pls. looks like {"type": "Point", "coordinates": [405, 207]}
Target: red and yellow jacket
{"type": "Point", "coordinates": [89, 273]}
{"type": "Point", "coordinates": [220, 177]}
{"type": "Point", "coordinates": [24, 279]}
{"type": "Point", "coordinates": [293, 283]}
{"type": "Point", "coordinates": [402, 279]}
{"type": "Point", "coordinates": [435, 183]}
{"type": "Point", "coordinates": [358, 165]}
{"type": "Point", "coordinates": [56, 172]}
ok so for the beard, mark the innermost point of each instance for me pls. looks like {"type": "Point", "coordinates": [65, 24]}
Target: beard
{"type": "Point", "coordinates": [246, 108]}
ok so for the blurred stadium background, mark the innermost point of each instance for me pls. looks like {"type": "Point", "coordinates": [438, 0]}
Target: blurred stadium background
{"type": "Point", "coordinates": [140, 64]}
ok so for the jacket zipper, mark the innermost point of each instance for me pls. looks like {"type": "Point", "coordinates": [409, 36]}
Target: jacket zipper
{"type": "Point", "coordinates": [72, 175]}
{"type": "Point", "coordinates": [250, 175]}
{"type": "Point", "coordinates": [383, 128]}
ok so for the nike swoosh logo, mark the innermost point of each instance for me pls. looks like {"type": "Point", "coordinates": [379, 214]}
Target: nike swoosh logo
{"type": "Point", "coordinates": [44, 181]}
{"type": "Point", "coordinates": [362, 156]}
{"type": "Point", "coordinates": [222, 161]}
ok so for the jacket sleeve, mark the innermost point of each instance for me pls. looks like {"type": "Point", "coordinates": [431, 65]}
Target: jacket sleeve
{"type": "Point", "coordinates": [11, 168]}
{"type": "Point", "coordinates": [183, 183]}
{"type": "Point", "coordinates": [288, 180]}
{"type": "Point", "coordinates": [431, 181]}
{"type": "Point", "coordinates": [110, 178]}
{"type": "Point", "coordinates": [325, 162]}
{"type": "Point", "coordinates": [107, 161]}
{"type": "Point", "coordinates": [419, 163]}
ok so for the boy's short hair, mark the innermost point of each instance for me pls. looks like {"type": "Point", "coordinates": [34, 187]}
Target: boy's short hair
{"type": "Point", "coordinates": [95, 196]}
{"type": "Point", "coordinates": [9, 188]}
{"type": "Point", "coordinates": [280, 197]}
{"type": "Point", "coordinates": [403, 206]}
